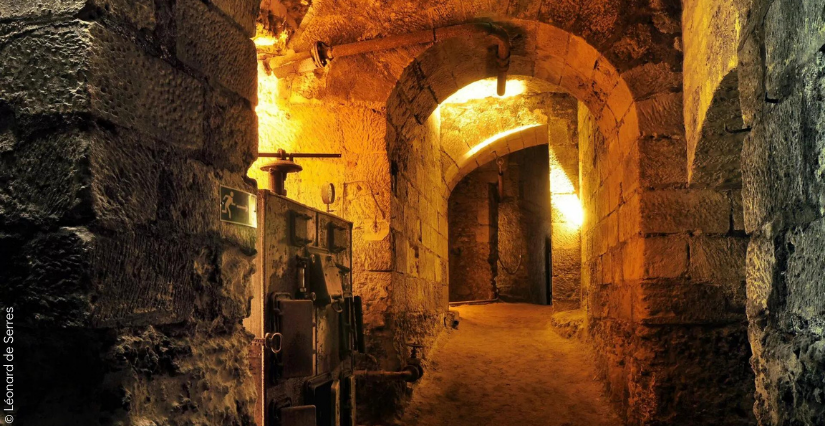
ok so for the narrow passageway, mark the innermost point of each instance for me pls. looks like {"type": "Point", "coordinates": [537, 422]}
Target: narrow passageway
{"type": "Point", "coordinates": [505, 365]}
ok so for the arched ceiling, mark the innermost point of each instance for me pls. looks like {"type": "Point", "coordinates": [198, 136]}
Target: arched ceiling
{"type": "Point", "coordinates": [632, 31]}
{"type": "Point", "coordinates": [548, 54]}
{"type": "Point", "coordinates": [499, 145]}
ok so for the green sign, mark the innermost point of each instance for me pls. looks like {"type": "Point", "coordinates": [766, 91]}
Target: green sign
{"type": "Point", "coordinates": [238, 207]}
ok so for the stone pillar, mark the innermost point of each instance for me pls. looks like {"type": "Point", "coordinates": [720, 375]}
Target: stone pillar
{"type": "Point", "coordinates": [119, 121]}
{"type": "Point", "coordinates": [782, 88]}
{"type": "Point", "coordinates": [566, 220]}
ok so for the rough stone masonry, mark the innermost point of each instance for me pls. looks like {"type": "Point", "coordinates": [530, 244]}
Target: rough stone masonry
{"type": "Point", "coordinates": [700, 154]}
{"type": "Point", "coordinates": [119, 120]}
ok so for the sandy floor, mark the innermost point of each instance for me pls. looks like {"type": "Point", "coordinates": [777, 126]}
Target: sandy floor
{"type": "Point", "coordinates": [505, 366]}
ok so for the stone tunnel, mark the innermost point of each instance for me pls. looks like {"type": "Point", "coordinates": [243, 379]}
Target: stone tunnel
{"type": "Point", "coordinates": [434, 212]}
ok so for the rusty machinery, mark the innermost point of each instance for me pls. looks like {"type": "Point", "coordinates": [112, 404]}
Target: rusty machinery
{"type": "Point", "coordinates": [307, 323]}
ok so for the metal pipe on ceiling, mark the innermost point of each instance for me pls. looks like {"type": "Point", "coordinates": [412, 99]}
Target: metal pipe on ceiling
{"type": "Point", "coordinates": [321, 53]}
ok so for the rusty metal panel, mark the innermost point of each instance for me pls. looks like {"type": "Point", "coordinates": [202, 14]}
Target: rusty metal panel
{"type": "Point", "coordinates": [302, 415]}
{"type": "Point", "coordinates": [297, 327]}
{"type": "Point", "coordinates": [306, 332]}
{"type": "Point", "coordinates": [326, 279]}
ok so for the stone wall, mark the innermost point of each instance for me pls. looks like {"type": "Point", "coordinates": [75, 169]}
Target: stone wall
{"type": "Point", "coordinates": [538, 115]}
{"type": "Point", "coordinates": [663, 267]}
{"type": "Point", "coordinates": [472, 216]}
{"type": "Point", "coordinates": [420, 293]}
{"type": "Point", "coordinates": [567, 218]}
{"type": "Point", "coordinates": [711, 30]}
{"type": "Point", "coordinates": [118, 123]}
{"type": "Point", "coordinates": [501, 240]}
{"type": "Point", "coordinates": [642, 219]}
{"type": "Point", "coordinates": [782, 87]}
{"type": "Point", "coordinates": [523, 227]}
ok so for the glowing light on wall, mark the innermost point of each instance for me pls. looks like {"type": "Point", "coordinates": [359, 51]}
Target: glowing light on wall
{"type": "Point", "coordinates": [563, 195]}
{"type": "Point", "coordinates": [483, 89]}
{"type": "Point", "coordinates": [274, 126]}
{"type": "Point", "coordinates": [487, 142]}
{"type": "Point", "coordinates": [264, 39]}
{"type": "Point", "coordinates": [570, 208]}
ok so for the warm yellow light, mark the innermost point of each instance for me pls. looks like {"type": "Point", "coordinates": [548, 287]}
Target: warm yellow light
{"type": "Point", "coordinates": [265, 39]}
{"type": "Point", "coordinates": [273, 123]}
{"type": "Point", "coordinates": [485, 89]}
{"type": "Point", "coordinates": [475, 150]}
{"type": "Point", "coordinates": [559, 182]}
{"type": "Point", "coordinates": [563, 194]}
{"type": "Point", "coordinates": [570, 208]}
{"type": "Point", "coordinates": [267, 90]}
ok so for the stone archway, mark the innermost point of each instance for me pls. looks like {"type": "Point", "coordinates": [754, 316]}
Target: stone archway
{"type": "Point", "coordinates": [637, 273]}
{"type": "Point", "coordinates": [625, 66]}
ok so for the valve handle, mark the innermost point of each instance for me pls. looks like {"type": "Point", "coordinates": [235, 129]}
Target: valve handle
{"type": "Point", "coordinates": [269, 342]}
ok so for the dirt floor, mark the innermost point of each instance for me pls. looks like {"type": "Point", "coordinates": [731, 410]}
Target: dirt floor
{"type": "Point", "coordinates": [506, 366]}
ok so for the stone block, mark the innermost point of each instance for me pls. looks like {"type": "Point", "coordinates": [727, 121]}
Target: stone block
{"type": "Point", "coordinates": [47, 178]}
{"type": "Point", "coordinates": [737, 211]}
{"type": "Point", "coordinates": [577, 84]}
{"type": "Point", "coordinates": [793, 34]}
{"type": "Point", "coordinates": [629, 218]}
{"type": "Point", "coordinates": [661, 115]}
{"type": "Point", "coordinates": [718, 259]}
{"type": "Point", "coordinates": [231, 139]}
{"type": "Point", "coordinates": [550, 69]}
{"type": "Point", "coordinates": [47, 277]}
{"type": "Point", "coordinates": [665, 256]}
{"type": "Point", "coordinates": [243, 12]}
{"type": "Point", "coordinates": [552, 41]}
{"type": "Point", "coordinates": [756, 199]}
{"type": "Point", "coordinates": [580, 56]}
{"type": "Point", "coordinates": [605, 75]}
{"type": "Point", "coordinates": [650, 78]}
{"type": "Point", "coordinates": [806, 265]}
{"type": "Point", "coordinates": [139, 13]}
{"type": "Point", "coordinates": [566, 262]}
{"type": "Point", "coordinates": [706, 353]}
{"type": "Point", "coordinates": [48, 8]}
{"type": "Point", "coordinates": [612, 229]}
{"type": "Point", "coordinates": [620, 100]}
{"type": "Point", "coordinates": [633, 258]}
{"type": "Point", "coordinates": [566, 287]}
{"type": "Point", "coordinates": [611, 302]}
{"type": "Point", "coordinates": [662, 161]}
{"type": "Point", "coordinates": [629, 131]}
{"type": "Point", "coordinates": [673, 211]}
{"type": "Point", "coordinates": [683, 302]}
{"type": "Point", "coordinates": [608, 123]}
{"type": "Point", "coordinates": [188, 203]}
{"type": "Point", "coordinates": [42, 72]}
{"type": "Point", "coordinates": [565, 238]}
{"type": "Point", "coordinates": [72, 176]}
{"type": "Point", "coordinates": [208, 42]}
{"type": "Point", "coordinates": [631, 172]}
{"type": "Point", "coordinates": [85, 68]}
{"type": "Point", "coordinates": [373, 256]}
{"type": "Point", "coordinates": [775, 166]}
